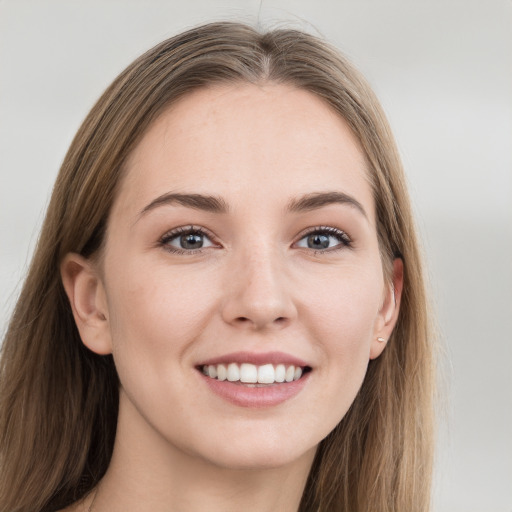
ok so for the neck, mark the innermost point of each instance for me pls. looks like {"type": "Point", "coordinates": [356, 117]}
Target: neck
{"type": "Point", "coordinates": [148, 473]}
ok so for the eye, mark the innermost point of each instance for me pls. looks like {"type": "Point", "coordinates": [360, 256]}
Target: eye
{"type": "Point", "coordinates": [188, 239]}
{"type": "Point", "coordinates": [324, 238]}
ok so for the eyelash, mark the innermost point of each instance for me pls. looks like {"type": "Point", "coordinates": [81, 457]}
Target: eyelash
{"type": "Point", "coordinates": [184, 230]}
{"type": "Point", "coordinates": [343, 238]}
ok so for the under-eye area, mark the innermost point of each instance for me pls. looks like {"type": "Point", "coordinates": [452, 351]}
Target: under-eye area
{"type": "Point", "coordinates": [255, 375]}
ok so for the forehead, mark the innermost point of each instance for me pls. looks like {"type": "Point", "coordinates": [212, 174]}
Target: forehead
{"type": "Point", "coordinates": [246, 143]}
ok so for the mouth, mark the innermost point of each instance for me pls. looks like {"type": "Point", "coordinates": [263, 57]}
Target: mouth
{"type": "Point", "coordinates": [255, 380]}
{"type": "Point", "coordinates": [252, 375]}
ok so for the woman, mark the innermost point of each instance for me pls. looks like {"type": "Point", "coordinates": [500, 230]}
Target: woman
{"type": "Point", "coordinates": [226, 307]}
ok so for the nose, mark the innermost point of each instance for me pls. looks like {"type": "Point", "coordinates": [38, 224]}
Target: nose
{"type": "Point", "coordinates": [257, 295]}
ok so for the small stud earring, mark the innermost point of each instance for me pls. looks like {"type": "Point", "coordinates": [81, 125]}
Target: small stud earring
{"type": "Point", "coordinates": [381, 340]}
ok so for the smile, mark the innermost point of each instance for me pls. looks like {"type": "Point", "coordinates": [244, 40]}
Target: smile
{"type": "Point", "coordinates": [247, 373]}
{"type": "Point", "coordinates": [255, 380]}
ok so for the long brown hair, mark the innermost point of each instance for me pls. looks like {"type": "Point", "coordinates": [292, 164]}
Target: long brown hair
{"type": "Point", "coordinates": [59, 401]}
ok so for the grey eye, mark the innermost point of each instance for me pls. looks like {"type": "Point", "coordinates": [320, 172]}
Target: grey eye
{"type": "Point", "coordinates": [321, 240]}
{"type": "Point", "coordinates": [191, 241]}
{"type": "Point", "coordinates": [318, 241]}
{"type": "Point", "coordinates": [188, 241]}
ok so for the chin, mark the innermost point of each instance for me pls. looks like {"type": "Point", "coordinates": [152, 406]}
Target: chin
{"type": "Point", "coordinates": [259, 452]}
{"type": "Point", "coordinates": [260, 460]}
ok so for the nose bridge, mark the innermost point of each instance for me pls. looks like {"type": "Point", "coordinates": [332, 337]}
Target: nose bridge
{"type": "Point", "coordinates": [258, 294]}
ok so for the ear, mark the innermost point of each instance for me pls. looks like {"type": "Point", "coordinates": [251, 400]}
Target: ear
{"type": "Point", "coordinates": [388, 313]}
{"type": "Point", "coordinates": [87, 297]}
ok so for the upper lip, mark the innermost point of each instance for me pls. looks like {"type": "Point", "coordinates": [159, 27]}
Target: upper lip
{"type": "Point", "coordinates": [256, 358]}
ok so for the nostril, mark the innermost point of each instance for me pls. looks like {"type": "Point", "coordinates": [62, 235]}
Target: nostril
{"type": "Point", "coordinates": [260, 322]}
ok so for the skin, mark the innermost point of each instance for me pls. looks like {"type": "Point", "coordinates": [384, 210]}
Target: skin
{"type": "Point", "coordinates": [255, 286]}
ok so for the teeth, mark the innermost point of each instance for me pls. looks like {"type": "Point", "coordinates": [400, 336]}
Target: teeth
{"type": "Point", "coordinates": [252, 374]}
{"type": "Point", "coordinates": [290, 372]}
{"type": "Point", "coordinates": [266, 374]}
{"type": "Point", "coordinates": [233, 372]}
{"type": "Point", "coordinates": [222, 372]}
{"type": "Point", "coordinates": [248, 373]}
{"type": "Point", "coordinates": [280, 373]}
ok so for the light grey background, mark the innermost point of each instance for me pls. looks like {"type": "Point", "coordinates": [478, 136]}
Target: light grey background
{"type": "Point", "coordinates": [443, 72]}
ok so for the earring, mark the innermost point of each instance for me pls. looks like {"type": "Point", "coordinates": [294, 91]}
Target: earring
{"type": "Point", "coordinates": [381, 340]}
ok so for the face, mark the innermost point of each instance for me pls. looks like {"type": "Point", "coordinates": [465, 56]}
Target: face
{"type": "Point", "coordinates": [242, 243]}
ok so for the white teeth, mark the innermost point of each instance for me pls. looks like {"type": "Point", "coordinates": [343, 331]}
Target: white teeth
{"type": "Point", "coordinates": [248, 373]}
{"type": "Point", "coordinates": [290, 372]}
{"type": "Point", "coordinates": [266, 374]}
{"type": "Point", "coordinates": [280, 373]}
{"type": "Point", "coordinates": [222, 372]}
{"type": "Point", "coordinates": [251, 374]}
{"type": "Point", "coordinates": [233, 372]}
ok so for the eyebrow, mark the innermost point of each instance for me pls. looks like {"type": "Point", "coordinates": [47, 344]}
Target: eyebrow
{"type": "Point", "coordinates": [215, 204]}
{"type": "Point", "coordinates": [318, 200]}
{"type": "Point", "coordinates": [196, 201]}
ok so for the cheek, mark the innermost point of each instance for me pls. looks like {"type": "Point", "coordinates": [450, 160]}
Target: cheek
{"type": "Point", "coordinates": [157, 312]}
{"type": "Point", "coordinates": [156, 318]}
{"type": "Point", "coordinates": [341, 315]}
{"type": "Point", "coordinates": [344, 305]}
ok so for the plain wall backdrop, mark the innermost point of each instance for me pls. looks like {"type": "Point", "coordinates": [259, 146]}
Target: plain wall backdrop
{"type": "Point", "coordinates": [443, 72]}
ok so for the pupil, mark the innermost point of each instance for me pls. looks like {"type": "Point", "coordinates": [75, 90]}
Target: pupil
{"type": "Point", "coordinates": [191, 241]}
{"type": "Point", "coordinates": [317, 241]}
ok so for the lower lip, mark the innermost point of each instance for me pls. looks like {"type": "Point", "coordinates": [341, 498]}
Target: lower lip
{"type": "Point", "coordinates": [256, 397]}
